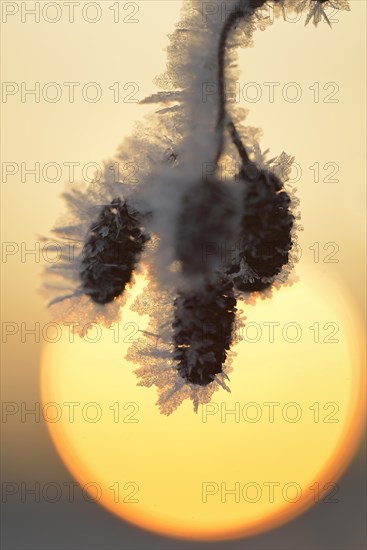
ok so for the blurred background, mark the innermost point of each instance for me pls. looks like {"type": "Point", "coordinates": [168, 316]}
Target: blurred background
{"type": "Point", "coordinates": [120, 46]}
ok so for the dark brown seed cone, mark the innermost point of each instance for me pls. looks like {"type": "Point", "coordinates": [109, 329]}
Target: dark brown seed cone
{"type": "Point", "coordinates": [266, 228]}
{"type": "Point", "coordinates": [206, 220]}
{"type": "Point", "coordinates": [111, 252]}
{"type": "Point", "coordinates": [203, 325]}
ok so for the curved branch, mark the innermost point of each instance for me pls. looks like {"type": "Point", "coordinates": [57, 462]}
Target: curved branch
{"type": "Point", "coordinates": [238, 14]}
{"type": "Point", "coordinates": [226, 31]}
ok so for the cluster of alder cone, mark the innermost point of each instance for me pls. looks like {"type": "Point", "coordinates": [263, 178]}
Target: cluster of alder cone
{"type": "Point", "coordinates": [117, 238]}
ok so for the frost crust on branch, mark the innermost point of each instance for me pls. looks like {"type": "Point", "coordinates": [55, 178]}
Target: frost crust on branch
{"type": "Point", "coordinates": [174, 210]}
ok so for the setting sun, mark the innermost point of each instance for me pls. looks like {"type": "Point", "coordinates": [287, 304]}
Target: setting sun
{"type": "Point", "coordinates": [248, 460]}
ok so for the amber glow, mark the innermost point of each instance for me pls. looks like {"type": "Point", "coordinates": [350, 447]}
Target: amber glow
{"type": "Point", "coordinates": [180, 467]}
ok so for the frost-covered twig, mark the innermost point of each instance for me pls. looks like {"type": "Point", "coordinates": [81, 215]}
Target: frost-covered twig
{"type": "Point", "coordinates": [176, 219]}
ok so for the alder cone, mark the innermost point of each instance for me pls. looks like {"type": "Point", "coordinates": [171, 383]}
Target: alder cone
{"type": "Point", "coordinates": [111, 252]}
{"type": "Point", "coordinates": [266, 229]}
{"type": "Point", "coordinates": [203, 325]}
{"type": "Point", "coordinates": [208, 219]}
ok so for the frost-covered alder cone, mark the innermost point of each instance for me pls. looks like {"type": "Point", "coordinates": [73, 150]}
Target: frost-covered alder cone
{"type": "Point", "coordinates": [203, 325]}
{"type": "Point", "coordinates": [211, 241]}
{"type": "Point", "coordinates": [111, 251]}
{"type": "Point", "coordinates": [265, 229]}
{"type": "Point", "coordinates": [209, 220]}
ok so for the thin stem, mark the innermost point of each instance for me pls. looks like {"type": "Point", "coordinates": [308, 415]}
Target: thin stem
{"type": "Point", "coordinates": [227, 29]}
{"type": "Point", "coordinates": [223, 116]}
{"type": "Point", "coordinates": [238, 143]}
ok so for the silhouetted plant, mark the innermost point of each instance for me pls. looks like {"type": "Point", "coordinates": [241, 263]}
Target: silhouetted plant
{"type": "Point", "coordinates": [166, 220]}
